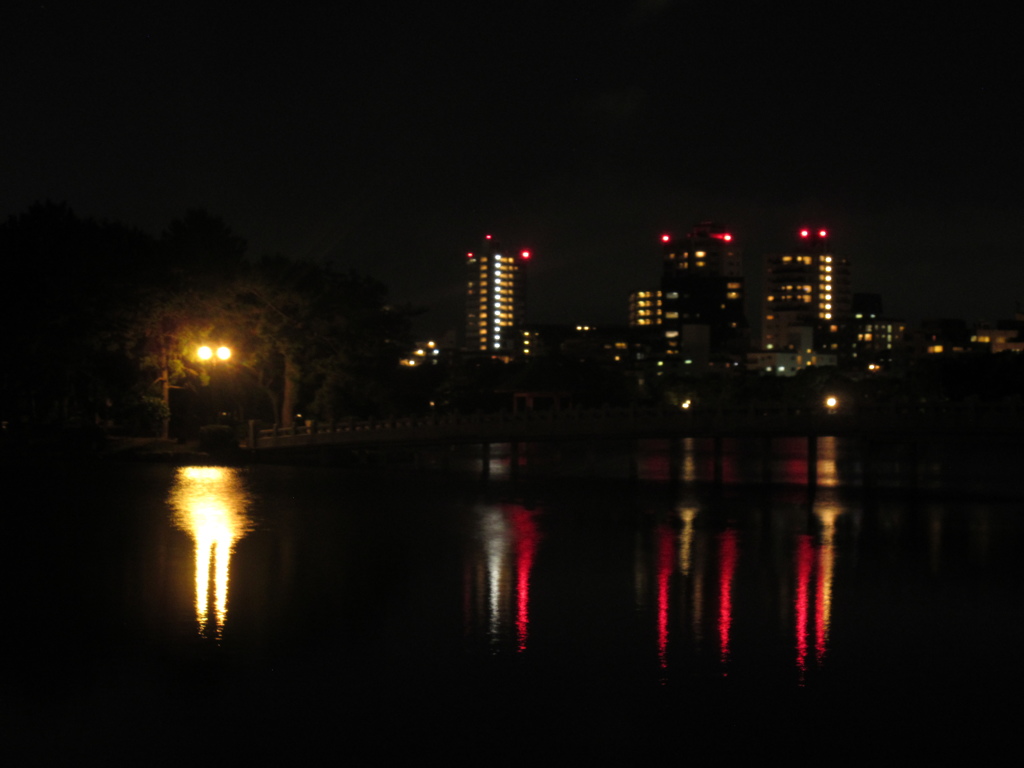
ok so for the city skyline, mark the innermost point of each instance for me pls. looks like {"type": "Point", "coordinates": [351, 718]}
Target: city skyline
{"type": "Point", "coordinates": [388, 139]}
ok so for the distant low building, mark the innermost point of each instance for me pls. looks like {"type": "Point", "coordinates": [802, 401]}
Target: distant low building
{"type": "Point", "coordinates": [788, 363]}
{"type": "Point", "coordinates": [875, 340]}
{"type": "Point", "coordinates": [1004, 336]}
{"type": "Point", "coordinates": [941, 336]}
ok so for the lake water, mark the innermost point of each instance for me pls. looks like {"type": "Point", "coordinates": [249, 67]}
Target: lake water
{"type": "Point", "coordinates": [384, 613]}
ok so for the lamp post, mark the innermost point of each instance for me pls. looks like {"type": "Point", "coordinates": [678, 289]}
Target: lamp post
{"type": "Point", "coordinates": [206, 353]}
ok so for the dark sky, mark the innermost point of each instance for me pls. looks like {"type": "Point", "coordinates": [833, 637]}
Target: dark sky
{"type": "Point", "coordinates": [391, 137]}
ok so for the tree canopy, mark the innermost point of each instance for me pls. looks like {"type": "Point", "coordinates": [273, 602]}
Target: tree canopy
{"type": "Point", "coordinates": [108, 319]}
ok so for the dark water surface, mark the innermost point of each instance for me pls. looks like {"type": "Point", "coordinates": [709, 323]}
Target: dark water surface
{"type": "Point", "coordinates": [209, 614]}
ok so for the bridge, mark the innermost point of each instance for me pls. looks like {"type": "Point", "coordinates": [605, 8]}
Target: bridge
{"type": "Point", "coordinates": [887, 422]}
{"type": "Point", "coordinates": [882, 434]}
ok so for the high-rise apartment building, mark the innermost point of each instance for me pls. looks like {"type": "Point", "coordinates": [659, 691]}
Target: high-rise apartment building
{"type": "Point", "coordinates": [702, 291]}
{"type": "Point", "coordinates": [644, 308]}
{"type": "Point", "coordinates": [495, 299]}
{"type": "Point", "coordinates": [808, 297]}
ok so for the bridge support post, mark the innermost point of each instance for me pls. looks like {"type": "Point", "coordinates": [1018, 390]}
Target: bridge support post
{"type": "Point", "coordinates": [513, 459]}
{"type": "Point", "coordinates": [812, 460]}
{"type": "Point", "coordinates": [911, 471]}
{"type": "Point", "coordinates": [675, 459]}
{"type": "Point", "coordinates": [867, 472]}
{"type": "Point", "coordinates": [716, 449]}
{"type": "Point", "coordinates": [485, 460]}
{"type": "Point", "coordinates": [766, 460]}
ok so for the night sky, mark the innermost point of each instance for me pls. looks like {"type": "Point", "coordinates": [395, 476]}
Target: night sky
{"type": "Point", "coordinates": [390, 137]}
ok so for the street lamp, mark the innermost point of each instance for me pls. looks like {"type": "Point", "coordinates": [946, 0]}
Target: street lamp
{"type": "Point", "coordinates": [831, 402]}
{"type": "Point", "coordinates": [206, 353]}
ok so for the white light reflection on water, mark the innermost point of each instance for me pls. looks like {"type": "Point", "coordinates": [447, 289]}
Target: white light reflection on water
{"type": "Point", "coordinates": [210, 505]}
{"type": "Point", "coordinates": [509, 542]}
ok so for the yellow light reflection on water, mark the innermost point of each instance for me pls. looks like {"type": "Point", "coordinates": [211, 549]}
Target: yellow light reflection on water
{"type": "Point", "coordinates": [210, 504]}
{"type": "Point", "coordinates": [828, 462]}
{"type": "Point", "coordinates": [827, 515]}
{"type": "Point", "coordinates": [687, 515]}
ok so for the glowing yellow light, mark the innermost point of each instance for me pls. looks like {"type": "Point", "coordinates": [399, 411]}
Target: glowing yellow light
{"type": "Point", "coordinates": [205, 353]}
{"type": "Point", "coordinates": [223, 353]}
{"type": "Point", "coordinates": [831, 402]}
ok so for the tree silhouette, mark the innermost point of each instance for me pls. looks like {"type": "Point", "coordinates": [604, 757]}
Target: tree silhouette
{"type": "Point", "coordinates": [324, 338]}
{"type": "Point", "coordinates": [71, 280]}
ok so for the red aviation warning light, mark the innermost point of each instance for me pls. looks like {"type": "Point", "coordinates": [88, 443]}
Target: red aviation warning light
{"type": "Point", "coordinates": [665, 238]}
{"type": "Point", "coordinates": [469, 255]}
{"type": "Point", "coordinates": [822, 233]}
{"type": "Point", "coordinates": [804, 233]}
{"type": "Point", "coordinates": [487, 237]}
{"type": "Point", "coordinates": [525, 254]}
{"type": "Point", "coordinates": [727, 237]}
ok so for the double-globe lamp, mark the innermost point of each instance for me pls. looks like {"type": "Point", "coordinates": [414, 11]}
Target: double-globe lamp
{"type": "Point", "coordinates": [207, 353]}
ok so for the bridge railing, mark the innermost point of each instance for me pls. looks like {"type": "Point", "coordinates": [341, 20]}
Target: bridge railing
{"type": "Point", "coordinates": [760, 418]}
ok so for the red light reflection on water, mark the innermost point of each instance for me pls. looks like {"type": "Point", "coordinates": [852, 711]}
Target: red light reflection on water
{"type": "Point", "coordinates": [666, 546]}
{"type": "Point", "coordinates": [527, 539]}
{"type": "Point", "coordinates": [804, 567]}
{"type": "Point", "coordinates": [727, 554]}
